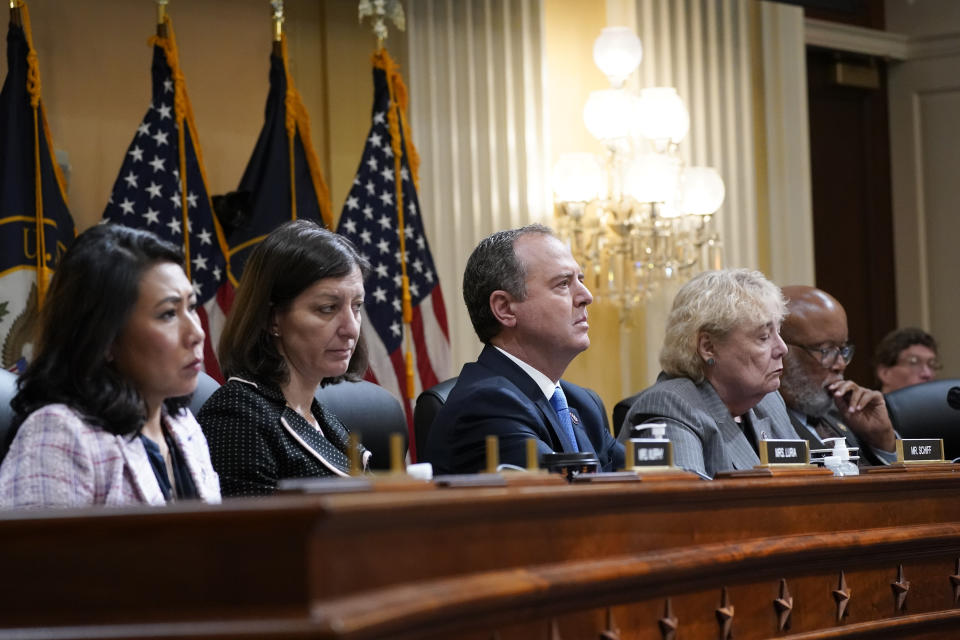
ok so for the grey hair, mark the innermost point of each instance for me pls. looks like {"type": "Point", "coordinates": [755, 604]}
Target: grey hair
{"type": "Point", "coordinates": [494, 266]}
{"type": "Point", "coordinates": [716, 302]}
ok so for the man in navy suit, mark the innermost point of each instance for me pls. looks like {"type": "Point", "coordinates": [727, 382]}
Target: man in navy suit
{"type": "Point", "coordinates": [528, 305]}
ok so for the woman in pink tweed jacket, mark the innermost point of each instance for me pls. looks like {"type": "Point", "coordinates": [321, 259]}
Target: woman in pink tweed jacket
{"type": "Point", "coordinates": [101, 415]}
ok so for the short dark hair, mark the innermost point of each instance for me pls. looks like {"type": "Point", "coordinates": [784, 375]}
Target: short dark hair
{"type": "Point", "coordinates": [889, 349]}
{"type": "Point", "coordinates": [90, 300]}
{"type": "Point", "coordinates": [291, 259]}
{"type": "Point", "coordinates": [494, 266]}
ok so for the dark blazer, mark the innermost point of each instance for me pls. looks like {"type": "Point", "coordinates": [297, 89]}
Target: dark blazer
{"type": "Point", "coordinates": [834, 423]}
{"type": "Point", "coordinates": [493, 396]}
{"type": "Point", "coordinates": [705, 436]}
{"type": "Point", "coordinates": [256, 440]}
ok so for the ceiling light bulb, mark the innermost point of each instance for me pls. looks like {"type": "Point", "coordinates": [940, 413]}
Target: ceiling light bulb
{"type": "Point", "coordinates": [617, 52]}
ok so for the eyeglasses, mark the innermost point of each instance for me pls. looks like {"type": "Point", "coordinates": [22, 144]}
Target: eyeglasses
{"type": "Point", "coordinates": [916, 363]}
{"type": "Point", "coordinates": [828, 355]}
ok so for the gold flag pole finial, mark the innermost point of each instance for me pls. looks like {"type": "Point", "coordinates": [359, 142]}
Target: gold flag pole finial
{"type": "Point", "coordinates": [278, 18]}
{"type": "Point", "coordinates": [161, 10]}
{"type": "Point", "coordinates": [378, 11]}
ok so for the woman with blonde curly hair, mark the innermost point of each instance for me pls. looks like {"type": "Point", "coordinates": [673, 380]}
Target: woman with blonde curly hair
{"type": "Point", "coordinates": [722, 358]}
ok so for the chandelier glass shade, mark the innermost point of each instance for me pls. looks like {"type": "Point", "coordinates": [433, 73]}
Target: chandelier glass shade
{"type": "Point", "coordinates": [637, 216]}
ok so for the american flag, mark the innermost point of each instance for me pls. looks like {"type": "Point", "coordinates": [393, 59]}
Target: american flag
{"type": "Point", "coordinates": [149, 193]}
{"type": "Point", "coordinates": [370, 219]}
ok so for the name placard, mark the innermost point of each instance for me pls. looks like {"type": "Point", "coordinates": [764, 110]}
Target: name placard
{"type": "Point", "coordinates": [920, 450]}
{"type": "Point", "coordinates": [651, 453]}
{"type": "Point", "coordinates": [781, 452]}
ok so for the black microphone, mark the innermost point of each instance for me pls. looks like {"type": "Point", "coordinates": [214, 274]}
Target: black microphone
{"type": "Point", "coordinates": [953, 398]}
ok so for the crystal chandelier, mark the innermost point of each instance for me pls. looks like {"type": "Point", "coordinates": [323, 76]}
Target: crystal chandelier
{"type": "Point", "coordinates": [643, 217]}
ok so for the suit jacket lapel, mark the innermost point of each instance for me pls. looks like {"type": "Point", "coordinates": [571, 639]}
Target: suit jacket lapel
{"type": "Point", "coordinates": [804, 432]}
{"type": "Point", "coordinates": [836, 425]}
{"type": "Point", "coordinates": [196, 466]}
{"type": "Point", "coordinates": [499, 363]}
{"type": "Point", "coordinates": [142, 478]}
{"type": "Point", "coordinates": [762, 427]}
{"type": "Point", "coordinates": [583, 441]}
{"type": "Point", "coordinates": [553, 420]}
{"type": "Point", "coordinates": [304, 433]}
{"type": "Point", "coordinates": [742, 455]}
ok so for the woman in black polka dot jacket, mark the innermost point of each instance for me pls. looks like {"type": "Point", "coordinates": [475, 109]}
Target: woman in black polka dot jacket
{"type": "Point", "coordinates": [294, 324]}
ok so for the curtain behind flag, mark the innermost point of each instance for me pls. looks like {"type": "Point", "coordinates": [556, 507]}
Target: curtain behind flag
{"type": "Point", "coordinates": [162, 188]}
{"type": "Point", "coordinates": [33, 203]}
{"type": "Point", "coordinates": [283, 163]}
{"type": "Point", "coordinates": [371, 219]}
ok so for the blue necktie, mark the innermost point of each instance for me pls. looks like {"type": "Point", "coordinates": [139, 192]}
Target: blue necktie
{"type": "Point", "coordinates": [559, 403]}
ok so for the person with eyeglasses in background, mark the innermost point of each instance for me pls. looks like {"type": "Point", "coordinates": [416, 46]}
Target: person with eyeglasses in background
{"type": "Point", "coordinates": [905, 357]}
{"type": "Point", "coordinates": [821, 403]}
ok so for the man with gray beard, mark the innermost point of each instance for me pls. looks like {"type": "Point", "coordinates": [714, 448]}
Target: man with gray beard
{"type": "Point", "coordinates": [820, 402]}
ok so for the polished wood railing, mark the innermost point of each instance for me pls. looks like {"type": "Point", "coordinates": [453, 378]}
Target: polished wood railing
{"type": "Point", "coordinates": [792, 557]}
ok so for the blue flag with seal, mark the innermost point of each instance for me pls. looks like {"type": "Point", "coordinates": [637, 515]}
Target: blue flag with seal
{"type": "Point", "coordinates": [282, 180]}
{"type": "Point", "coordinates": [35, 223]}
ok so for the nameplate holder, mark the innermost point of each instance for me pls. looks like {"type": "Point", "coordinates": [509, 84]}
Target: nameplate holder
{"type": "Point", "coordinates": [920, 451]}
{"type": "Point", "coordinates": [461, 480]}
{"type": "Point", "coordinates": [651, 454]}
{"type": "Point", "coordinates": [784, 453]}
{"type": "Point", "coordinates": [331, 484]}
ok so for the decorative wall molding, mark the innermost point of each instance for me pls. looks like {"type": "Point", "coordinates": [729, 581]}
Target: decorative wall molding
{"type": "Point", "coordinates": [885, 44]}
{"type": "Point", "coordinates": [833, 35]}
{"type": "Point", "coordinates": [938, 46]}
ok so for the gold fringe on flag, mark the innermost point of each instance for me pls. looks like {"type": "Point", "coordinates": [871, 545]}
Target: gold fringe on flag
{"type": "Point", "coordinates": [34, 85]}
{"type": "Point", "coordinates": [297, 118]}
{"type": "Point", "coordinates": [396, 119]}
{"type": "Point", "coordinates": [184, 113]}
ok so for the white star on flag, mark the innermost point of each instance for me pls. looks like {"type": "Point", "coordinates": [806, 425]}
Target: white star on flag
{"type": "Point", "coordinates": [155, 197]}
{"type": "Point", "coordinates": [370, 218]}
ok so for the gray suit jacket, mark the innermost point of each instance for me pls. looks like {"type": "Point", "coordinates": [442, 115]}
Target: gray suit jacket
{"type": "Point", "coordinates": [704, 435]}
